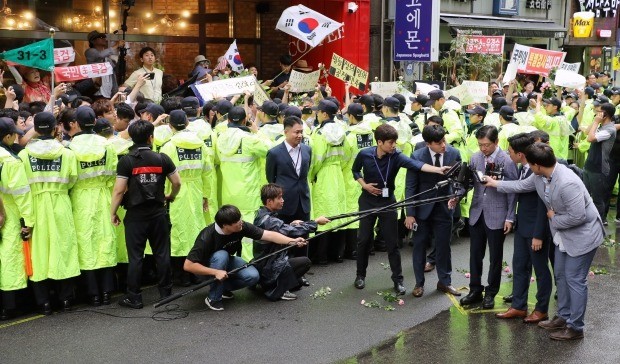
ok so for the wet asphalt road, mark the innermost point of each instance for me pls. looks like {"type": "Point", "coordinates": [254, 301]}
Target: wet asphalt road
{"type": "Point", "coordinates": [431, 329]}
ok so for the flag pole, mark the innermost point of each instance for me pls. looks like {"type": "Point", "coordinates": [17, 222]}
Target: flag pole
{"type": "Point", "coordinates": [293, 63]}
{"type": "Point", "coordinates": [52, 32]}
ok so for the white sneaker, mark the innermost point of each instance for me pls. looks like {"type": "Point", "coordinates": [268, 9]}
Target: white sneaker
{"type": "Point", "coordinates": [288, 296]}
{"type": "Point", "coordinates": [214, 305]}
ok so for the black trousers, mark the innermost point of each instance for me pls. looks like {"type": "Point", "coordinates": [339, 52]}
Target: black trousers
{"type": "Point", "coordinates": [98, 280]}
{"type": "Point", "coordinates": [299, 214]}
{"type": "Point", "coordinates": [480, 234]}
{"type": "Point", "coordinates": [157, 231]}
{"type": "Point", "coordinates": [389, 229]}
{"type": "Point", "coordinates": [290, 278]}
{"type": "Point", "coordinates": [614, 173]}
{"type": "Point", "coordinates": [439, 226]}
{"type": "Point", "coordinates": [63, 287]}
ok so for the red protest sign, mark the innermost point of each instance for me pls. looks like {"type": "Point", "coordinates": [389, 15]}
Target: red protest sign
{"type": "Point", "coordinates": [484, 44]}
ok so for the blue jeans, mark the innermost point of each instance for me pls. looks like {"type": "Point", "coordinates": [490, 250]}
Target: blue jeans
{"type": "Point", "coordinates": [244, 278]}
{"type": "Point", "coordinates": [571, 279]}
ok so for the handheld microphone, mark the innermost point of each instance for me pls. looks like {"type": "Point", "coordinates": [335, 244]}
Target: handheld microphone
{"type": "Point", "coordinates": [463, 173]}
{"type": "Point", "coordinates": [454, 170]}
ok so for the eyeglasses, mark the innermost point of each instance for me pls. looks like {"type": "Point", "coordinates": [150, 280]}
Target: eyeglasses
{"type": "Point", "coordinates": [485, 145]}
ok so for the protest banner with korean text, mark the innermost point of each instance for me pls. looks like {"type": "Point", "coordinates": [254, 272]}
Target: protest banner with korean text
{"type": "Point", "coordinates": [303, 82]}
{"type": "Point", "coordinates": [75, 73]}
{"type": "Point", "coordinates": [484, 44]}
{"type": "Point", "coordinates": [536, 61]}
{"type": "Point", "coordinates": [223, 88]}
{"type": "Point", "coordinates": [347, 71]}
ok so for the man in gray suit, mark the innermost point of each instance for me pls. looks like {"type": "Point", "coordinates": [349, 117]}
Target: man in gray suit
{"type": "Point", "coordinates": [490, 217]}
{"type": "Point", "coordinates": [577, 231]}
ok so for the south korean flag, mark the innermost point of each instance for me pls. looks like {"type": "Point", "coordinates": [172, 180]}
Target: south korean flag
{"type": "Point", "coordinates": [305, 24]}
{"type": "Point", "coordinates": [233, 58]}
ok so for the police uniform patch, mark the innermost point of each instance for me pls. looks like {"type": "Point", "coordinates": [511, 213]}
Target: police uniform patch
{"type": "Point", "coordinates": [364, 140]}
{"type": "Point", "coordinates": [45, 165]}
{"type": "Point", "coordinates": [209, 141]}
{"type": "Point", "coordinates": [98, 163]}
{"type": "Point", "coordinates": [189, 154]}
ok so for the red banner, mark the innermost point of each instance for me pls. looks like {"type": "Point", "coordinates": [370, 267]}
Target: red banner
{"type": "Point", "coordinates": [75, 73]}
{"type": "Point", "coordinates": [541, 61]}
{"type": "Point", "coordinates": [485, 44]}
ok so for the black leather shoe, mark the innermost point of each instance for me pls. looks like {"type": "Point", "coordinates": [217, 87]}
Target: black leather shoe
{"type": "Point", "coordinates": [127, 302]}
{"type": "Point", "coordinates": [7, 314]}
{"type": "Point", "coordinates": [95, 301]}
{"type": "Point", "coordinates": [399, 289]}
{"type": "Point", "coordinates": [488, 302]}
{"type": "Point", "coordinates": [106, 299]}
{"type": "Point", "coordinates": [339, 260]}
{"type": "Point", "coordinates": [304, 282]}
{"type": "Point", "coordinates": [66, 305]}
{"type": "Point", "coordinates": [46, 309]}
{"type": "Point", "coordinates": [359, 283]}
{"type": "Point", "coordinates": [471, 298]}
{"type": "Point", "coordinates": [508, 298]}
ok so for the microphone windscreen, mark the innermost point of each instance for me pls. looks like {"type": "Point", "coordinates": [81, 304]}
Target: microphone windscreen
{"type": "Point", "coordinates": [462, 177]}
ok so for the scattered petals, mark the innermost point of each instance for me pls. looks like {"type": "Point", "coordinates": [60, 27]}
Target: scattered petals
{"type": "Point", "coordinates": [401, 302]}
{"type": "Point", "coordinates": [532, 279]}
{"type": "Point", "coordinates": [363, 302]}
{"type": "Point", "coordinates": [467, 275]}
{"type": "Point", "coordinates": [507, 269]}
{"type": "Point", "coordinates": [590, 274]}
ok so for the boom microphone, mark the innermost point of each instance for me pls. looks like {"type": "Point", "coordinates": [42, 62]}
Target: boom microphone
{"type": "Point", "coordinates": [463, 177]}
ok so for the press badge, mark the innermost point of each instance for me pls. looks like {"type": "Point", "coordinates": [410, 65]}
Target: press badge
{"type": "Point", "coordinates": [385, 192]}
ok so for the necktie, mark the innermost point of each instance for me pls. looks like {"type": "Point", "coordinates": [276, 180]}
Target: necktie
{"type": "Point", "coordinates": [523, 173]}
{"type": "Point", "coordinates": [437, 162]}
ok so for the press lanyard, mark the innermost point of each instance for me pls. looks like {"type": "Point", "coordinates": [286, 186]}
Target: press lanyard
{"type": "Point", "coordinates": [379, 169]}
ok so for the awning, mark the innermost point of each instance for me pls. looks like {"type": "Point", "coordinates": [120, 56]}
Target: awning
{"type": "Point", "coordinates": [510, 27]}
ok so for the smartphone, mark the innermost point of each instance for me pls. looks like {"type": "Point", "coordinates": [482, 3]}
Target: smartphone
{"type": "Point", "coordinates": [151, 75]}
{"type": "Point", "coordinates": [58, 102]}
{"type": "Point", "coordinates": [306, 111]}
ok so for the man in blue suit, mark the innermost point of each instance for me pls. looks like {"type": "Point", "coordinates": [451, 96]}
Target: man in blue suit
{"type": "Point", "coordinates": [287, 165]}
{"type": "Point", "coordinates": [490, 217]}
{"type": "Point", "coordinates": [531, 246]}
{"type": "Point", "coordinates": [435, 217]}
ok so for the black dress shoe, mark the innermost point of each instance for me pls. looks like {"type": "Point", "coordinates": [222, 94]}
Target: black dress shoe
{"type": "Point", "coordinates": [46, 309]}
{"type": "Point", "coordinates": [66, 305]}
{"type": "Point", "coordinates": [304, 282]}
{"type": "Point", "coordinates": [471, 298]}
{"type": "Point", "coordinates": [488, 302]}
{"type": "Point", "coordinates": [7, 314]}
{"type": "Point", "coordinates": [508, 298]}
{"type": "Point", "coordinates": [128, 302]}
{"type": "Point", "coordinates": [106, 299]}
{"type": "Point", "coordinates": [339, 260]}
{"type": "Point", "coordinates": [399, 289]}
{"type": "Point", "coordinates": [359, 283]}
{"type": "Point", "coordinates": [95, 301]}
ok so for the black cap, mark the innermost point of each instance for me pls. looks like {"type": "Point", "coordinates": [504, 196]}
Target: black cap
{"type": "Point", "coordinates": [615, 90]}
{"type": "Point", "coordinates": [326, 106]}
{"type": "Point", "coordinates": [572, 95]}
{"type": "Point", "coordinates": [270, 108]}
{"type": "Point", "coordinates": [85, 116]}
{"type": "Point", "coordinates": [177, 118]}
{"type": "Point", "coordinates": [7, 126]}
{"type": "Point", "coordinates": [292, 111]}
{"type": "Point", "coordinates": [600, 100]}
{"type": "Point", "coordinates": [477, 110]}
{"type": "Point", "coordinates": [391, 102]}
{"type": "Point", "coordinates": [367, 101]}
{"type": "Point", "coordinates": [282, 108]}
{"type": "Point", "coordinates": [589, 91]}
{"type": "Point", "coordinates": [402, 100]}
{"type": "Point", "coordinates": [553, 101]}
{"type": "Point", "coordinates": [455, 99]}
{"type": "Point", "coordinates": [154, 110]}
{"type": "Point", "coordinates": [507, 113]}
{"type": "Point", "coordinates": [102, 125]}
{"type": "Point", "coordinates": [94, 35]}
{"type": "Point", "coordinates": [356, 110]}
{"type": "Point", "coordinates": [523, 103]}
{"type": "Point", "coordinates": [44, 121]}
{"type": "Point", "coordinates": [420, 99]}
{"type": "Point", "coordinates": [596, 86]}
{"type": "Point", "coordinates": [236, 114]}
{"type": "Point", "coordinates": [223, 107]}
{"type": "Point", "coordinates": [190, 101]}
{"type": "Point", "coordinates": [498, 102]}
{"type": "Point", "coordinates": [433, 96]}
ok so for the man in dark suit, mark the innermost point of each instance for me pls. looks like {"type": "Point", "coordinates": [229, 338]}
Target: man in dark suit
{"type": "Point", "coordinates": [435, 217]}
{"type": "Point", "coordinates": [287, 165]}
{"type": "Point", "coordinates": [531, 248]}
{"type": "Point", "coordinates": [490, 217]}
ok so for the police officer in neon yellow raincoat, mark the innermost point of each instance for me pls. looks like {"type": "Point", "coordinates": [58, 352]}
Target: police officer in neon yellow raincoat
{"type": "Point", "coordinates": [189, 154]}
{"type": "Point", "coordinates": [51, 172]}
{"type": "Point", "coordinates": [17, 200]}
{"type": "Point", "coordinates": [239, 152]}
{"type": "Point", "coordinates": [90, 198]}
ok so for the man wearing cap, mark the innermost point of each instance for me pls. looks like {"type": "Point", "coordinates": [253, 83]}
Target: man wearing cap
{"type": "Point", "coordinates": [17, 204]}
{"type": "Point", "coordinates": [329, 148]}
{"type": "Point", "coordinates": [191, 158]}
{"type": "Point", "coordinates": [554, 123]}
{"type": "Point", "coordinates": [201, 63]}
{"type": "Point", "coordinates": [99, 52]}
{"type": "Point", "coordinates": [96, 163]}
{"type": "Point", "coordinates": [368, 104]}
{"type": "Point", "coordinates": [140, 183]}
{"type": "Point", "coordinates": [493, 117]}
{"type": "Point", "coordinates": [523, 116]}
{"type": "Point", "coordinates": [509, 126]}
{"type": "Point", "coordinates": [476, 121]}
{"type": "Point", "coordinates": [51, 172]}
{"type": "Point", "coordinates": [156, 114]}
{"type": "Point", "coordinates": [239, 152]}
{"type": "Point", "coordinates": [269, 126]}
{"type": "Point", "coordinates": [221, 110]}
{"type": "Point", "coordinates": [281, 78]}
{"type": "Point", "coordinates": [452, 122]}
{"type": "Point", "coordinates": [420, 113]}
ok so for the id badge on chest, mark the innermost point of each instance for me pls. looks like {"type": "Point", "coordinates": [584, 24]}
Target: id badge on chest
{"type": "Point", "coordinates": [385, 192]}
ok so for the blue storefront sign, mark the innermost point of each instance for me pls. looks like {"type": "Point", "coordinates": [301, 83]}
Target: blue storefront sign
{"type": "Point", "coordinates": [416, 30]}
